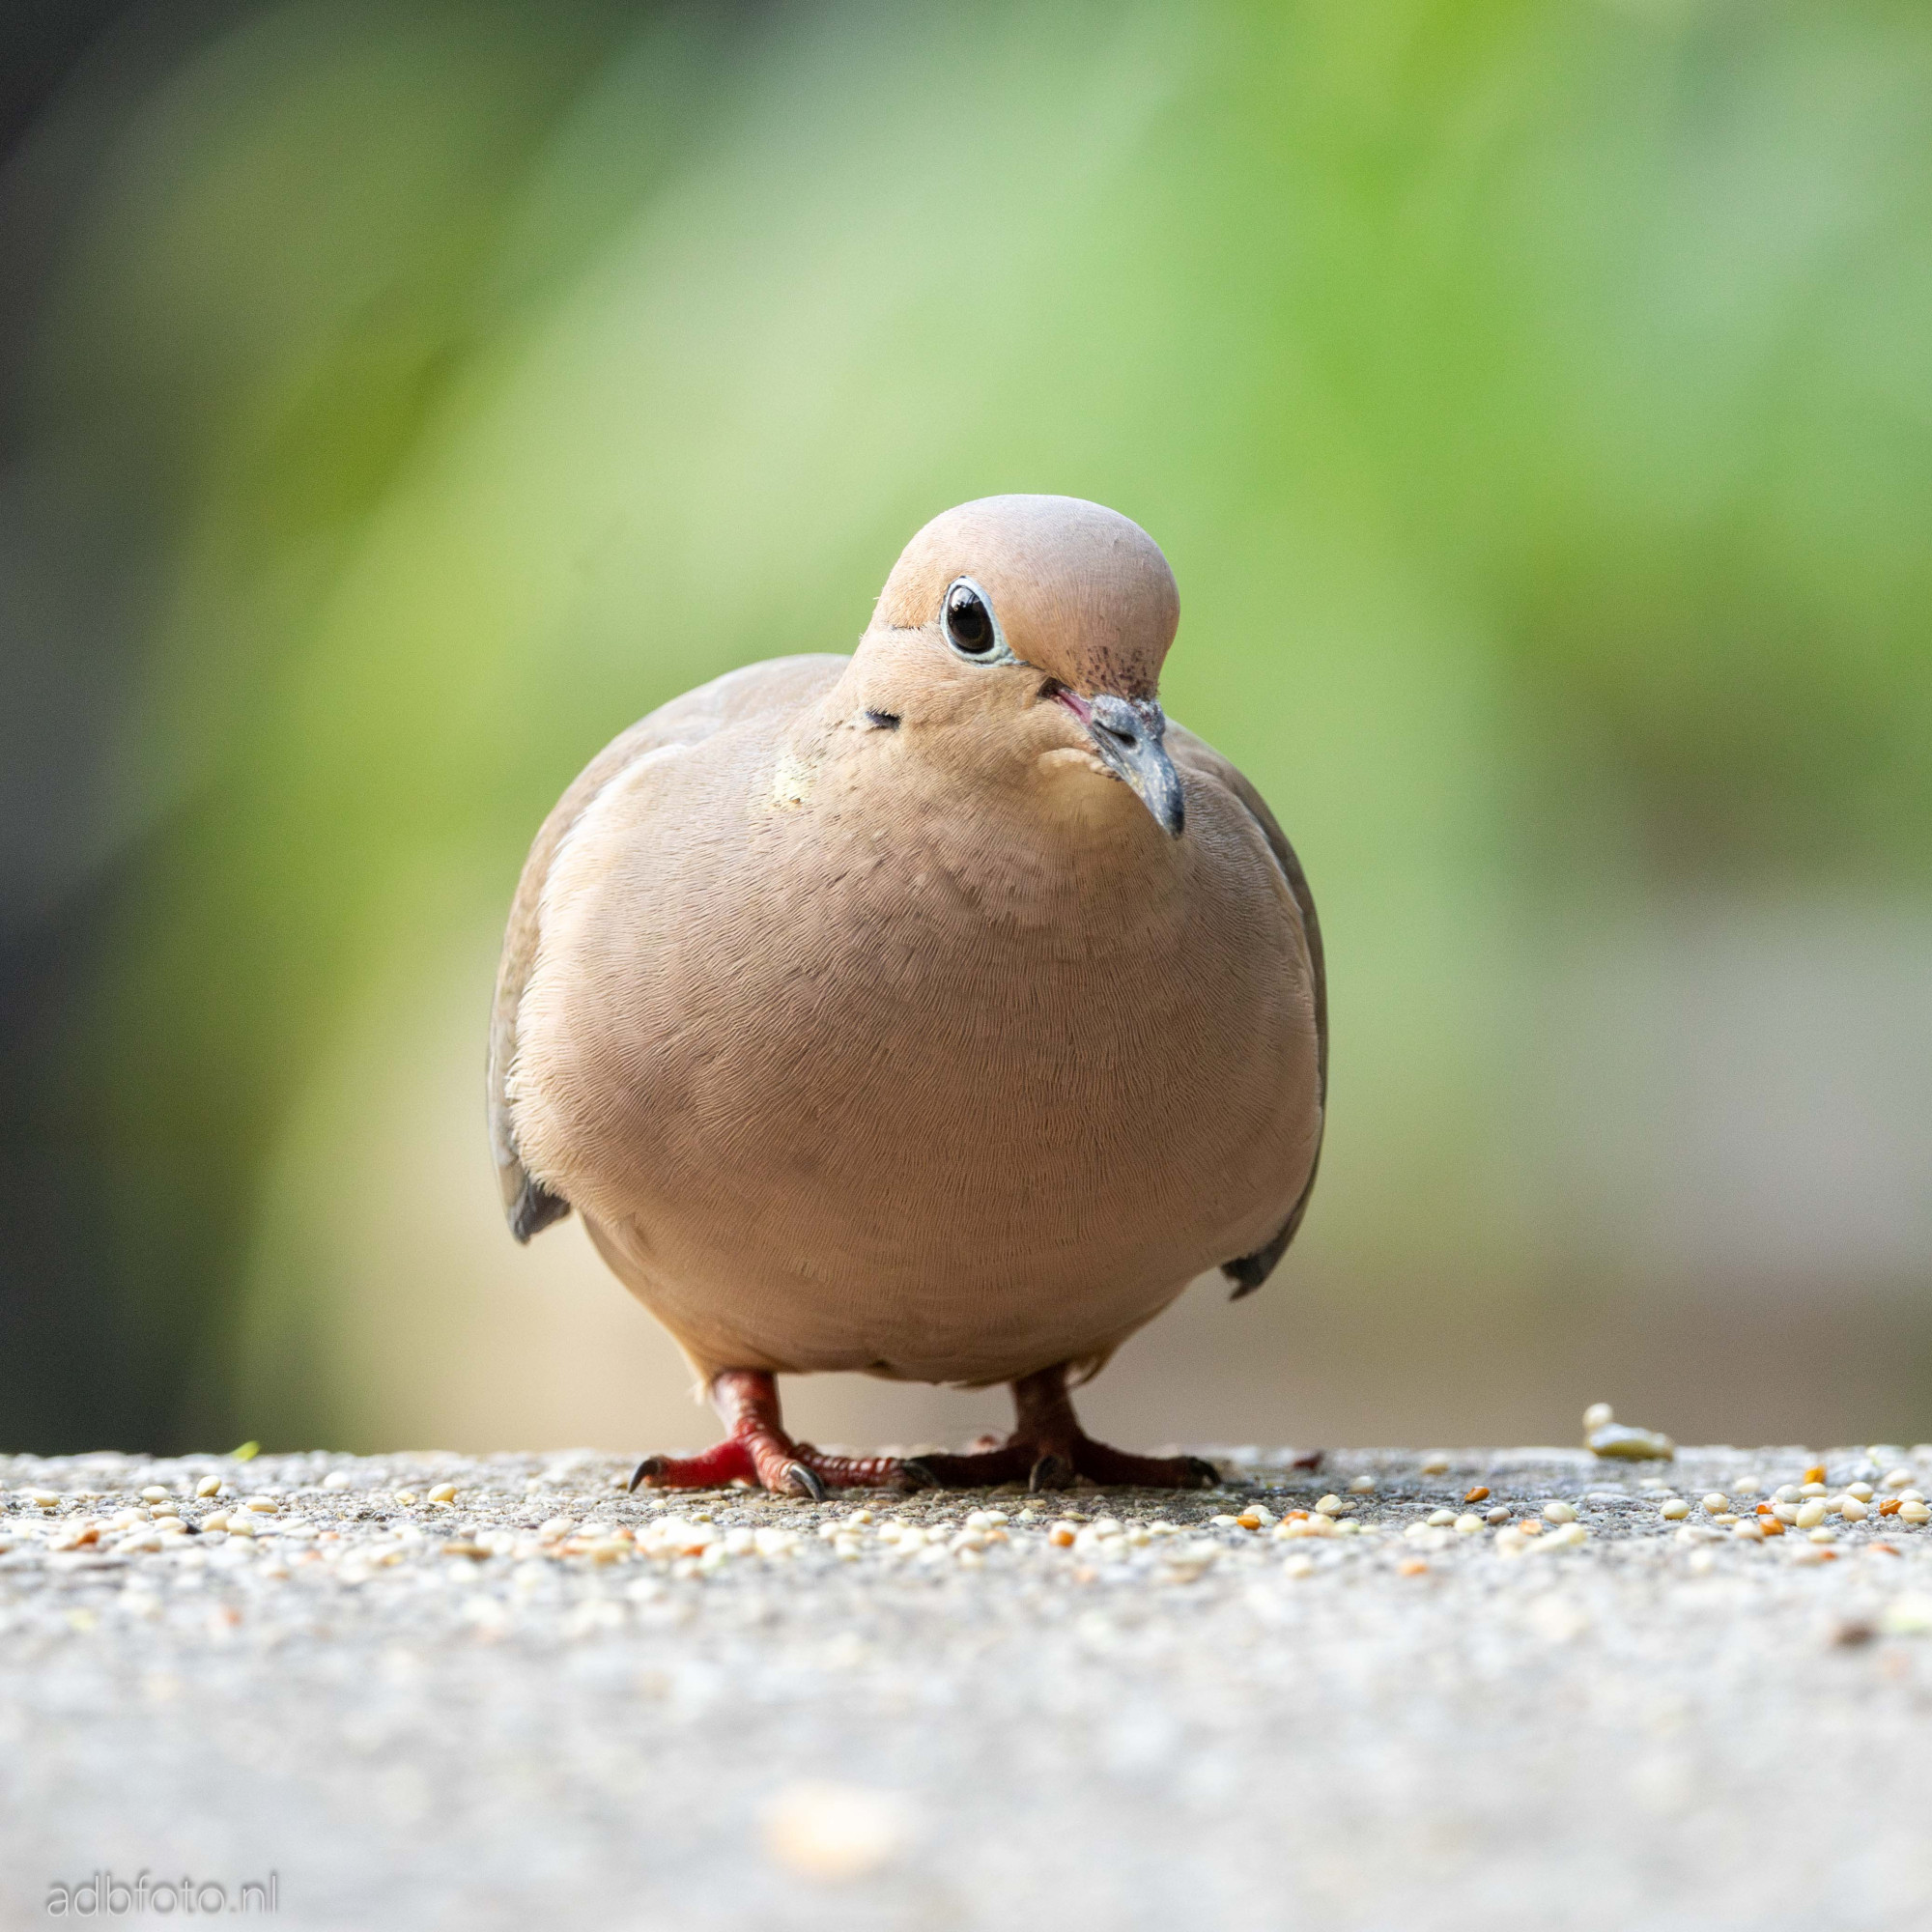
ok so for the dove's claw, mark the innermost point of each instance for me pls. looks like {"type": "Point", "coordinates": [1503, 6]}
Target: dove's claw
{"type": "Point", "coordinates": [805, 1482]}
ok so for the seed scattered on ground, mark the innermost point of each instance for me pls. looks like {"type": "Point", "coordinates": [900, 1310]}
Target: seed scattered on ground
{"type": "Point", "coordinates": [834, 1832]}
{"type": "Point", "coordinates": [1559, 1512]}
{"type": "Point", "coordinates": [1811, 1514]}
{"type": "Point", "coordinates": [1618, 1442]}
{"type": "Point", "coordinates": [208, 1486]}
{"type": "Point", "coordinates": [1361, 1485]}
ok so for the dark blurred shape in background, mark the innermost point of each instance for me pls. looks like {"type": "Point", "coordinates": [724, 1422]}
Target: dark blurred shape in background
{"type": "Point", "coordinates": [1535, 402]}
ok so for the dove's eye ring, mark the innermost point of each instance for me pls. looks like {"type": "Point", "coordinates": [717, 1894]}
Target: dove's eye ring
{"type": "Point", "coordinates": [966, 616]}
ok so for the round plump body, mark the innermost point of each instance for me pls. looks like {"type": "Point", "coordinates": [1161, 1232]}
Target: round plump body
{"type": "Point", "coordinates": [872, 1022]}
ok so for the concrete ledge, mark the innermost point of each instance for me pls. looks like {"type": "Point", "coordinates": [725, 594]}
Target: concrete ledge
{"type": "Point", "coordinates": [435, 1689]}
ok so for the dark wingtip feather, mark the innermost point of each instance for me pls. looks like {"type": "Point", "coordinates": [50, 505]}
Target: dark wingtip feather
{"type": "Point", "coordinates": [535, 1208]}
{"type": "Point", "coordinates": [1249, 1271]}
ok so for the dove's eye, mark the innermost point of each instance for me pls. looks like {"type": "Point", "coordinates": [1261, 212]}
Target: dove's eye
{"type": "Point", "coordinates": [970, 626]}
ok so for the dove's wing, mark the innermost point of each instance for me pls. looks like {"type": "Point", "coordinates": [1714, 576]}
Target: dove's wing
{"type": "Point", "coordinates": [780, 684]}
{"type": "Point", "coordinates": [1198, 760]}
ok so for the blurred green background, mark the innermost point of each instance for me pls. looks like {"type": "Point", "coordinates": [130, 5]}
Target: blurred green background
{"type": "Point", "coordinates": [1534, 401]}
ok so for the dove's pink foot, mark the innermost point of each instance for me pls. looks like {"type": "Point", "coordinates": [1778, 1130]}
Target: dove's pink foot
{"type": "Point", "coordinates": [1048, 1449]}
{"type": "Point", "coordinates": [756, 1450]}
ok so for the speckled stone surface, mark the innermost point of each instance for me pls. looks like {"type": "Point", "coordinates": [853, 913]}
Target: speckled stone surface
{"type": "Point", "coordinates": [547, 1702]}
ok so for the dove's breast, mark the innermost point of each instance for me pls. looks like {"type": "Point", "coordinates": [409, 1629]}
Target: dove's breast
{"type": "Point", "coordinates": [844, 1080]}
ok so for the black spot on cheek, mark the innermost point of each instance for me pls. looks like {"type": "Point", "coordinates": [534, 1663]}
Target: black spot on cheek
{"type": "Point", "coordinates": [883, 721]}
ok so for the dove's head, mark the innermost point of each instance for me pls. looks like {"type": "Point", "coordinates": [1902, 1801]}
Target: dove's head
{"type": "Point", "coordinates": [1038, 625]}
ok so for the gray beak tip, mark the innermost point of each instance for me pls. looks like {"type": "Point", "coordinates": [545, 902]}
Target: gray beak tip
{"type": "Point", "coordinates": [1128, 733]}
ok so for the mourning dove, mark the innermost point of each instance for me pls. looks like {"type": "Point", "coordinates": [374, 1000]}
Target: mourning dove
{"type": "Point", "coordinates": [938, 1012]}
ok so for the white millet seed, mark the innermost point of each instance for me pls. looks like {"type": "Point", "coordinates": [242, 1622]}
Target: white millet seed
{"type": "Point", "coordinates": [1913, 1511]}
{"type": "Point", "coordinates": [1809, 1515]}
{"type": "Point", "coordinates": [153, 1494]}
{"type": "Point", "coordinates": [1331, 1506]}
{"type": "Point", "coordinates": [1362, 1484]}
{"type": "Point", "coordinates": [1716, 1501]}
{"type": "Point", "coordinates": [45, 1499]}
{"type": "Point", "coordinates": [1468, 1525]}
{"type": "Point", "coordinates": [1558, 1512]}
{"type": "Point", "coordinates": [1859, 1491]}
{"type": "Point", "coordinates": [1675, 1510]}
{"type": "Point", "coordinates": [1441, 1519]}
{"type": "Point", "coordinates": [1436, 1462]}
{"type": "Point", "coordinates": [1824, 1536]}
{"type": "Point", "coordinates": [443, 1493]}
{"type": "Point", "coordinates": [1500, 1514]}
{"type": "Point", "coordinates": [1598, 1415]}
{"type": "Point", "coordinates": [1853, 1510]}
{"type": "Point", "coordinates": [208, 1486]}
{"type": "Point", "coordinates": [1898, 1479]}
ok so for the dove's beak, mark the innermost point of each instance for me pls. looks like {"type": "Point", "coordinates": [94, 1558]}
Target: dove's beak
{"type": "Point", "coordinates": [1128, 733]}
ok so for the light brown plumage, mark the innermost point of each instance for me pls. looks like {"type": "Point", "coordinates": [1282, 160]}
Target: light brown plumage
{"type": "Point", "coordinates": [872, 1022]}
